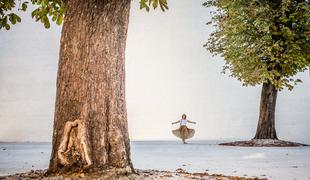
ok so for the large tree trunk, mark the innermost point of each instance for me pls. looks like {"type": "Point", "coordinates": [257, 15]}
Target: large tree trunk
{"type": "Point", "coordinates": [90, 123]}
{"type": "Point", "coordinates": [266, 123]}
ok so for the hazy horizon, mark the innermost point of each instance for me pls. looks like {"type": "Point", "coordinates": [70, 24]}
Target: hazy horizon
{"type": "Point", "coordinates": [168, 73]}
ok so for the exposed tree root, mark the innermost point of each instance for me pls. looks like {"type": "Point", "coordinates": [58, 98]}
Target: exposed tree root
{"type": "Point", "coordinates": [264, 143]}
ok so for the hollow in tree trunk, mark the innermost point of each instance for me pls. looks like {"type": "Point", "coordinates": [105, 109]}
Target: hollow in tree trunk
{"type": "Point", "coordinates": [266, 123]}
{"type": "Point", "coordinates": [90, 122]}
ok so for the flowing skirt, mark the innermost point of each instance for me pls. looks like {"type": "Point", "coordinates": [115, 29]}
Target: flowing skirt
{"type": "Point", "coordinates": [184, 132]}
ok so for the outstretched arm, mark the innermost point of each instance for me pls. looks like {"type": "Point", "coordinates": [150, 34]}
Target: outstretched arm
{"type": "Point", "coordinates": [176, 122]}
{"type": "Point", "coordinates": [191, 122]}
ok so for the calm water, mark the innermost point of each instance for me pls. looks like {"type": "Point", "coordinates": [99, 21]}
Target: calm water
{"type": "Point", "coordinates": [274, 163]}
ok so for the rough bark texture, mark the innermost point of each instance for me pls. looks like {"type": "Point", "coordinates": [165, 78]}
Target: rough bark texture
{"type": "Point", "coordinates": [90, 123]}
{"type": "Point", "coordinates": [266, 123]}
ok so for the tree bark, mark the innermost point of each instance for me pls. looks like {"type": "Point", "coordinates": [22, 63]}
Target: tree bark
{"type": "Point", "coordinates": [90, 122]}
{"type": "Point", "coordinates": [266, 123]}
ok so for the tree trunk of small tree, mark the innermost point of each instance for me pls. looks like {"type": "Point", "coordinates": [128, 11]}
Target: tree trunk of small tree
{"type": "Point", "coordinates": [266, 123]}
{"type": "Point", "coordinates": [90, 123]}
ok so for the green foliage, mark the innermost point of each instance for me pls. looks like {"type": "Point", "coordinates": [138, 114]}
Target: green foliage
{"type": "Point", "coordinates": [261, 40]}
{"type": "Point", "coordinates": [47, 10]}
{"type": "Point", "coordinates": [7, 17]}
{"type": "Point", "coordinates": [145, 4]}
{"type": "Point", "coordinates": [44, 10]}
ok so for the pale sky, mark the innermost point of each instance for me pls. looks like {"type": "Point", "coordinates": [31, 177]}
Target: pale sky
{"type": "Point", "coordinates": [168, 73]}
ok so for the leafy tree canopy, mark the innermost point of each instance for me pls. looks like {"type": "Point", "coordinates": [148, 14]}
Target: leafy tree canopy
{"type": "Point", "coordinates": [261, 40]}
{"type": "Point", "coordinates": [51, 8]}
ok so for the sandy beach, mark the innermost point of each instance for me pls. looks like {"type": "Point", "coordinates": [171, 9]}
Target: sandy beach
{"type": "Point", "coordinates": [138, 175]}
{"type": "Point", "coordinates": [198, 159]}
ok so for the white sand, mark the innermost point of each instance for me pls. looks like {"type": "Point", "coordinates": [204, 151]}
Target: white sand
{"type": "Point", "coordinates": [197, 156]}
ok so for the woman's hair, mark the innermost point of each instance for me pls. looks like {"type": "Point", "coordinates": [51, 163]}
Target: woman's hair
{"type": "Point", "coordinates": [184, 115]}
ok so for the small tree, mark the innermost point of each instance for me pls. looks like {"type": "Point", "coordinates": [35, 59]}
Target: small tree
{"type": "Point", "coordinates": [90, 122]}
{"type": "Point", "coordinates": [262, 42]}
